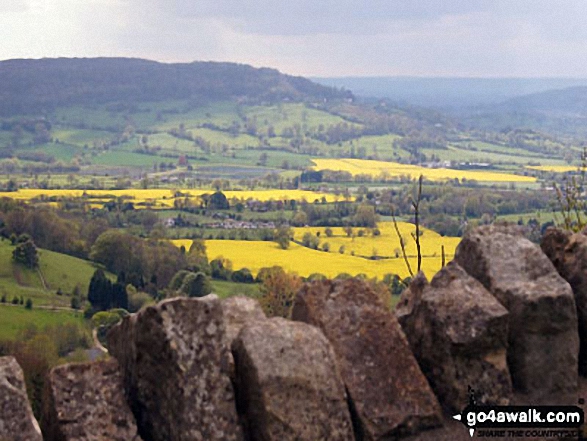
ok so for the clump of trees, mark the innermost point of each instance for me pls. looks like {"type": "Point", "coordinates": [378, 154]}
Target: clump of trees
{"type": "Point", "coordinates": [25, 252]}
{"type": "Point", "coordinates": [103, 321]}
{"type": "Point", "coordinates": [283, 237]}
{"type": "Point", "coordinates": [365, 216]}
{"type": "Point", "coordinates": [148, 264]}
{"type": "Point", "coordinates": [104, 295]}
{"type": "Point", "coordinates": [216, 201]}
{"type": "Point", "coordinates": [47, 229]}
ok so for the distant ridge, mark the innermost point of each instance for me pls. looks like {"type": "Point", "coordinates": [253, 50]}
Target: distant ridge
{"type": "Point", "coordinates": [448, 92]}
{"type": "Point", "coordinates": [559, 111]}
{"type": "Point", "coordinates": [571, 101]}
{"type": "Point", "coordinates": [36, 86]}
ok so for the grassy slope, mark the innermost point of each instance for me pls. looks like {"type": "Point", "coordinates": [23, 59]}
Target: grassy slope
{"type": "Point", "coordinates": [16, 318]}
{"type": "Point", "coordinates": [66, 272]}
{"type": "Point", "coordinates": [60, 272]}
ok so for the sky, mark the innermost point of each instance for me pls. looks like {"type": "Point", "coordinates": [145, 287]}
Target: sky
{"type": "Point", "coordinates": [329, 38]}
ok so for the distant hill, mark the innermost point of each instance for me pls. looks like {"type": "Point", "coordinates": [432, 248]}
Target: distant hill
{"type": "Point", "coordinates": [561, 111]}
{"type": "Point", "coordinates": [571, 101]}
{"type": "Point", "coordinates": [36, 86]}
{"type": "Point", "coordinates": [448, 92]}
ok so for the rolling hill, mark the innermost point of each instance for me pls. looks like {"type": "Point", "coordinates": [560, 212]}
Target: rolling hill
{"type": "Point", "coordinates": [37, 86]}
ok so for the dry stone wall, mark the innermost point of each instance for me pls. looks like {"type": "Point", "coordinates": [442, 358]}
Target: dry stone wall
{"type": "Point", "coordinates": [175, 366]}
{"type": "Point", "coordinates": [88, 403]}
{"type": "Point", "coordinates": [288, 383]}
{"type": "Point", "coordinates": [502, 318]}
{"type": "Point", "coordinates": [543, 327]}
{"type": "Point", "coordinates": [389, 394]}
{"type": "Point", "coordinates": [568, 253]}
{"type": "Point", "coordinates": [17, 422]}
{"type": "Point", "coordinates": [458, 332]}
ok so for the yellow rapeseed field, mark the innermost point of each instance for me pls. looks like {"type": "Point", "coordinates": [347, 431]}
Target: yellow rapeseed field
{"type": "Point", "coordinates": [165, 198]}
{"type": "Point", "coordinates": [383, 169]}
{"type": "Point", "coordinates": [280, 195]}
{"type": "Point", "coordinates": [255, 255]}
{"type": "Point", "coordinates": [387, 244]}
{"type": "Point", "coordinates": [554, 168]}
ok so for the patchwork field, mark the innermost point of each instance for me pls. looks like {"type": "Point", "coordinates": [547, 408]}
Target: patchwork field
{"type": "Point", "coordinates": [382, 169]}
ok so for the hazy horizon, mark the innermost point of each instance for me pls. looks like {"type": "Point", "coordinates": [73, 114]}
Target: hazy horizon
{"type": "Point", "coordinates": [319, 77]}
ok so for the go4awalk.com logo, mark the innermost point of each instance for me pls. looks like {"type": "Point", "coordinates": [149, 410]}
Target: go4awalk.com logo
{"type": "Point", "coordinates": [522, 421]}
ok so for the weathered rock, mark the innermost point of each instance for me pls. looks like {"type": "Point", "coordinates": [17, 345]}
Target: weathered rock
{"type": "Point", "coordinates": [543, 338]}
{"type": "Point", "coordinates": [238, 311]}
{"type": "Point", "coordinates": [289, 387]}
{"type": "Point", "coordinates": [458, 332]}
{"type": "Point", "coordinates": [17, 422]}
{"type": "Point", "coordinates": [389, 395]}
{"type": "Point", "coordinates": [568, 253]}
{"type": "Point", "coordinates": [88, 404]}
{"type": "Point", "coordinates": [553, 244]}
{"type": "Point", "coordinates": [174, 360]}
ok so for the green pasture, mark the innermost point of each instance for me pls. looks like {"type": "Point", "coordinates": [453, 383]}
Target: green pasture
{"type": "Point", "coordinates": [14, 319]}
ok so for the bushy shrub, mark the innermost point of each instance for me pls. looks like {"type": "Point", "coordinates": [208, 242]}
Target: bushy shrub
{"type": "Point", "coordinates": [196, 285]}
{"type": "Point", "coordinates": [315, 276]}
{"type": "Point", "coordinates": [177, 279]}
{"type": "Point", "coordinates": [311, 241]}
{"type": "Point", "coordinates": [221, 268]}
{"type": "Point", "coordinates": [243, 275]}
{"type": "Point", "coordinates": [278, 290]}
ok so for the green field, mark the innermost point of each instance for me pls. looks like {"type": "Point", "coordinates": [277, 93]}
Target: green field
{"type": "Point", "coordinates": [61, 152]}
{"type": "Point", "coordinates": [129, 159]}
{"type": "Point", "coordinates": [540, 216]}
{"type": "Point", "coordinates": [167, 142]}
{"type": "Point", "coordinates": [287, 115]}
{"type": "Point", "coordinates": [81, 137]}
{"type": "Point", "coordinates": [381, 146]}
{"type": "Point", "coordinates": [220, 114]}
{"type": "Point", "coordinates": [498, 154]}
{"type": "Point", "coordinates": [16, 318]}
{"type": "Point", "coordinates": [228, 289]}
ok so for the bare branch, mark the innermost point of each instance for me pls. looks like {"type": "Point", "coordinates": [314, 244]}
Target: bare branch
{"type": "Point", "coordinates": [402, 244]}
